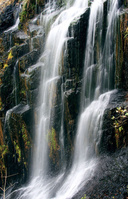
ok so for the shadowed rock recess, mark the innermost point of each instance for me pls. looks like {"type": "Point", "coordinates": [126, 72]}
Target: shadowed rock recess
{"type": "Point", "coordinates": [22, 41]}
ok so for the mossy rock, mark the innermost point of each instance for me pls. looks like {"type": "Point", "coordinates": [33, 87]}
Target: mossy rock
{"type": "Point", "coordinates": [18, 138]}
{"type": "Point", "coordinates": [6, 88]}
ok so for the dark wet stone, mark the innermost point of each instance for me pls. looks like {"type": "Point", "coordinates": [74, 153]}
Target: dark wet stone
{"type": "Point", "coordinates": [28, 60]}
{"type": "Point", "coordinates": [18, 137]}
{"type": "Point", "coordinates": [110, 178]}
{"type": "Point", "coordinates": [6, 18]}
{"type": "Point", "coordinates": [33, 76]}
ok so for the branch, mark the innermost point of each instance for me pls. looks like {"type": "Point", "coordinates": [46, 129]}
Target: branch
{"type": "Point", "coordinates": [10, 175]}
{"type": "Point", "coordinates": [1, 189]}
{"type": "Point", "coordinates": [10, 186]}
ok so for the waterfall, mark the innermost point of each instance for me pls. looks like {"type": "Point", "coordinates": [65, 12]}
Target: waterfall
{"type": "Point", "coordinates": [93, 104]}
{"type": "Point", "coordinates": [51, 75]}
{"type": "Point", "coordinates": [90, 67]}
{"type": "Point", "coordinates": [42, 185]}
{"type": "Point", "coordinates": [109, 48]}
{"type": "Point", "coordinates": [94, 99]}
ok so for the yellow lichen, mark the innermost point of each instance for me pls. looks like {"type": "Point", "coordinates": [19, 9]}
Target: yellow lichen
{"type": "Point", "coordinates": [5, 65]}
{"type": "Point", "coordinates": [10, 56]}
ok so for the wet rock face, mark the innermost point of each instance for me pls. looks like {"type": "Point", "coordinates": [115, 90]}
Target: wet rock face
{"type": "Point", "coordinates": [72, 78]}
{"type": "Point", "coordinates": [19, 85]}
{"type": "Point", "coordinates": [74, 61]}
{"type": "Point", "coordinates": [18, 139]}
{"type": "Point", "coordinates": [8, 16]}
{"type": "Point", "coordinates": [32, 79]}
{"type": "Point", "coordinates": [121, 50]}
{"type": "Point", "coordinates": [109, 179]}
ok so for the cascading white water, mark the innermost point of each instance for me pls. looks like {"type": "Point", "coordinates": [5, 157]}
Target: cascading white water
{"type": "Point", "coordinates": [90, 122]}
{"type": "Point", "coordinates": [42, 185]}
{"type": "Point", "coordinates": [108, 58]}
{"type": "Point", "coordinates": [52, 59]}
{"type": "Point", "coordinates": [90, 69]}
{"type": "Point", "coordinates": [93, 105]}
{"type": "Point", "coordinates": [88, 136]}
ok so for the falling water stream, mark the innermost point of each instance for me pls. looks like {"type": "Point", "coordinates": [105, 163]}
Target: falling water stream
{"type": "Point", "coordinates": [96, 81]}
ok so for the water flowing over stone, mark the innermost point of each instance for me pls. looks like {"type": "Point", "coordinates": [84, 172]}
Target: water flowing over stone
{"type": "Point", "coordinates": [17, 20]}
{"type": "Point", "coordinates": [91, 73]}
{"type": "Point", "coordinates": [90, 122]}
{"type": "Point", "coordinates": [94, 100]}
{"type": "Point", "coordinates": [108, 58]}
{"type": "Point", "coordinates": [51, 66]}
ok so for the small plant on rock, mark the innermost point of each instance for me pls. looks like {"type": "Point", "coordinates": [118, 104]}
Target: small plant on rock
{"type": "Point", "coordinates": [120, 120]}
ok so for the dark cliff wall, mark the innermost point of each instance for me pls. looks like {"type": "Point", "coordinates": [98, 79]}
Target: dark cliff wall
{"type": "Point", "coordinates": [19, 81]}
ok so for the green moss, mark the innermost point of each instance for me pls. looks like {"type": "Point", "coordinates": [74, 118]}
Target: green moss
{"type": "Point", "coordinates": [23, 94]}
{"type": "Point", "coordinates": [28, 11]}
{"type": "Point", "coordinates": [3, 152]}
{"type": "Point", "coordinates": [18, 150]}
{"type": "Point", "coordinates": [126, 33]}
{"type": "Point", "coordinates": [53, 144]}
{"type": "Point", "coordinates": [25, 137]}
{"type": "Point", "coordinates": [84, 197]}
{"type": "Point", "coordinates": [23, 16]}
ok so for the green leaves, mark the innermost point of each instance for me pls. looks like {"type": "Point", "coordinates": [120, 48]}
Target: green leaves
{"type": "Point", "coordinates": [120, 120]}
{"type": "Point", "coordinates": [120, 128]}
{"type": "Point", "coordinates": [113, 117]}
